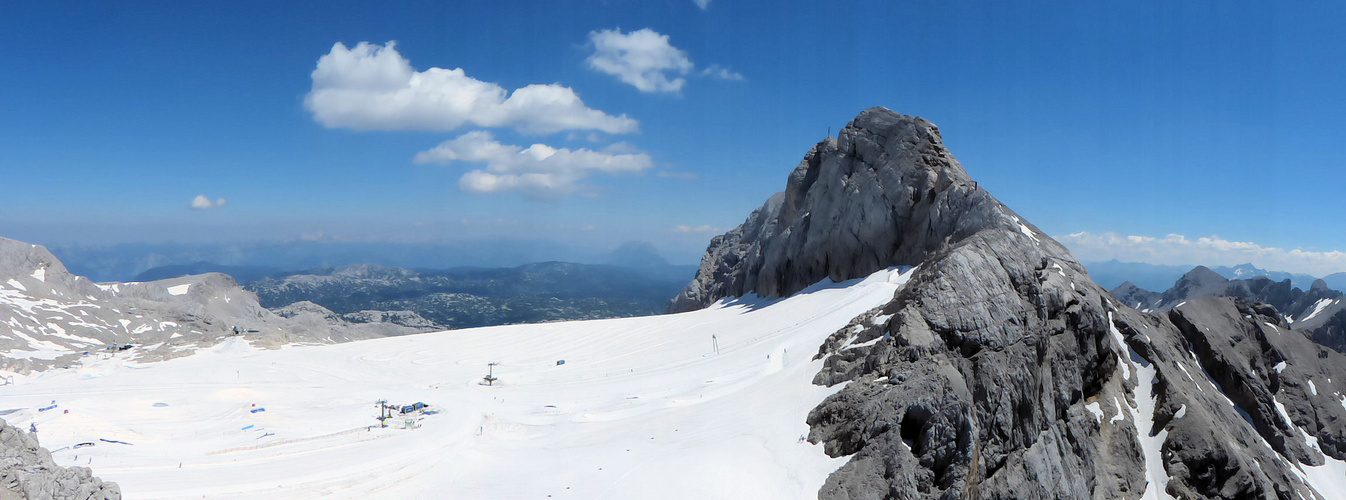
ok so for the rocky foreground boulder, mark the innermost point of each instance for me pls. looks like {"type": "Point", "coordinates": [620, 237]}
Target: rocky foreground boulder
{"type": "Point", "coordinates": [27, 471]}
{"type": "Point", "coordinates": [1001, 370]}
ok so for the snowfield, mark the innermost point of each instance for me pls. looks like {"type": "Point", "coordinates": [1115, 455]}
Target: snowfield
{"type": "Point", "coordinates": [641, 408]}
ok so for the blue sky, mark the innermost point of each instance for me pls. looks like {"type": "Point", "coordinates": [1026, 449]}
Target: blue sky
{"type": "Point", "coordinates": [1146, 125]}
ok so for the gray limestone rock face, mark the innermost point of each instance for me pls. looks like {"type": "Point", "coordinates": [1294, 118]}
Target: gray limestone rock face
{"type": "Point", "coordinates": [1000, 369]}
{"type": "Point", "coordinates": [28, 471]}
{"type": "Point", "coordinates": [1249, 402]}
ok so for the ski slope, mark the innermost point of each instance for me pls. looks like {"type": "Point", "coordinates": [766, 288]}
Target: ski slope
{"type": "Point", "coordinates": [641, 408]}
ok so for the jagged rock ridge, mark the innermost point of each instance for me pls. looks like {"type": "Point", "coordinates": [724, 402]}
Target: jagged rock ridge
{"type": "Point", "coordinates": [1319, 312]}
{"type": "Point", "coordinates": [1001, 370]}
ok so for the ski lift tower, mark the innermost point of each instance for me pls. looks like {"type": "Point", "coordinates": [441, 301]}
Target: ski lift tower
{"type": "Point", "coordinates": [490, 373]}
{"type": "Point", "coordinates": [383, 412]}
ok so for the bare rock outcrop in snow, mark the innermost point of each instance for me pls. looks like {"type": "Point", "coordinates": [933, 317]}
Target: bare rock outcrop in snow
{"type": "Point", "coordinates": [28, 471]}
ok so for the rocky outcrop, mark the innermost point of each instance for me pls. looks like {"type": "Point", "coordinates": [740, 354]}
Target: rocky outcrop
{"type": "Point", "coordinates": [28, 471]}
{"type": "Point", "coordinates": [1000, 369]}
{"type": "Point", "coordinates": [1135, 296]}
{"type": "Point", "coordinates": [1330, 331]}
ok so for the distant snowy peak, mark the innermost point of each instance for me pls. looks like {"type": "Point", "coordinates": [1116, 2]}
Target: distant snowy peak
{"type": "Point", "coordinates": [1249, 271]}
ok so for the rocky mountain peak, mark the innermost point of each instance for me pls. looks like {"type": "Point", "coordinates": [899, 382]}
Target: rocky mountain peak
{"type": "Point", "coordinates": [1318, 286]}
{"type": "Point", "coordinates": [1126, 286]}
{"type": "Point", "coordinates": [884, 193]}
{"type": "Point", "coordinates": [1201, 275]}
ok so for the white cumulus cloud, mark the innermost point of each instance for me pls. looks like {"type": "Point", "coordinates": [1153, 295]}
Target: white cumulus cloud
{"type": "Point", "coordinates": [1177, 249]}
{"type": "Point", "coordinates": [372, 87]}
{"type": "Point", "coordinates": [203, 202]}
{"type": "Point", "coordinates": [538, 171]}
{"type": "Point", "coordinates": [647, 61]}
{"type": "Point", "coordinates": [642, 58]}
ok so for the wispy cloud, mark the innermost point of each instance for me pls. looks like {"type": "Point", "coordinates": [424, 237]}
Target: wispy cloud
{"type": "Point", "coordinates": [1177, 249]}
{"type": "Point", "coordinates": [696, 229]}
{"type": "Point", "coordinates": [203, 202]}
{"type": "Point", "coordinates": [702, 3]}
{"type": "Point", "coordinates": [646, 60]}
{"type": "Point", "coordinates": [538, 171]}
{"type": "Point", "coordinates": [721, 72]}
{"type": "Point", "coordinates": [372, 87]}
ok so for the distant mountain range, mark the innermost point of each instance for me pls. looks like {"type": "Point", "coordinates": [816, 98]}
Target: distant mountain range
{"type": "Point", "coordinates": [126, 262]}
{"type": "Point", "coordinates": [636, 281]}
{"type": "Point", "coordinates": [470, 297]}
{"type": "Point", "coordinates": [1319, 311]}
{"type": "Point", "coordinates": [1113, 273]}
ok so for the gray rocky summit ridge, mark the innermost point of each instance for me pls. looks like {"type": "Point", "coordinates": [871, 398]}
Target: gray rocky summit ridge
{"type": "Point", "coordinates": [1001, 369]}
{"type": "Point", "coordinates": [836, 217]}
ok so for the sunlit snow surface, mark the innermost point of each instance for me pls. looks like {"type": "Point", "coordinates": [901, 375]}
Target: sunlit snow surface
{"type": "Point", "coordinates": [641, 408]}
